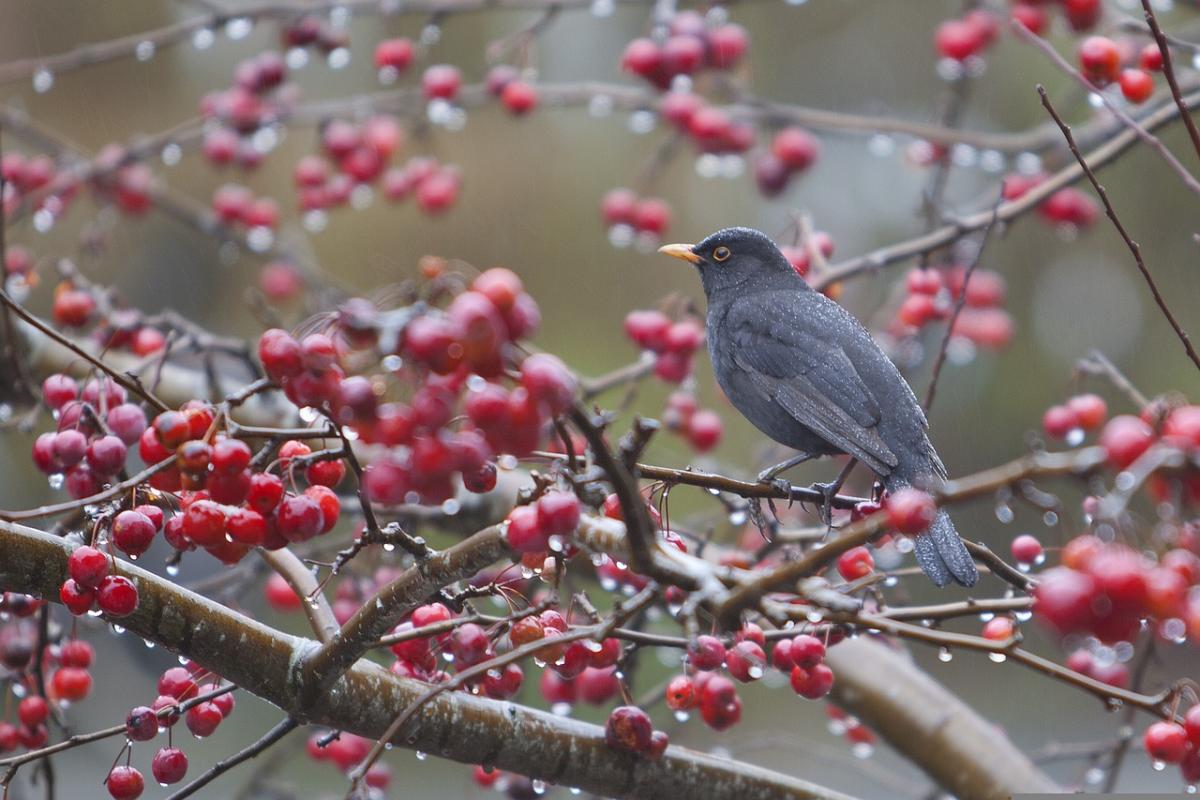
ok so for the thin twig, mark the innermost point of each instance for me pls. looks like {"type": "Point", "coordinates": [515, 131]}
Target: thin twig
{"type": "Point", "coordinates": [1168, 69]}
{"type": "Point", "coordinates": [1116, 221]}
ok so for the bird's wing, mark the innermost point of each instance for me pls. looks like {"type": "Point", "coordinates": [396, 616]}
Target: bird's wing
{"type": "Point", "coordinates": [812, 379]}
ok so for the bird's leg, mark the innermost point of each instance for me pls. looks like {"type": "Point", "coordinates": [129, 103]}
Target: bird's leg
{"type": "Point", "coordinates": [770, 476]}
{"type": "Point", "coordinates": [829, 490]}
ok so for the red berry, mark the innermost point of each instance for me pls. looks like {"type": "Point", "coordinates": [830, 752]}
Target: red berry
{"type": "Point", "coordinates": [652, 215]}
{"type": "Point", "coordinates": [33, 710]}
{"type": "Point", "coordinates": [1125, 438]}
{"type": "Point", "coordinates": [681, 693]}
{"type": "Point", "coordinates": [1150, 58]}
{"type": "Point", "coordinates": [959, 39]}
{"type": "Point", "coordinates": [169, 765]}
{"type": "Point", "coordinates": [910, 511]}
{"type": "Point", "coordinates": [441, 81]}
{"type": "Point", "coordinates": [628, 728]}
{"type": "Point", "coordinates": [1064, 599]}
{"type": "Point", "coordinates": [1099, 59]}
{"type": "Point", "coordinates": [855, 563]}
{"type": "Point", "coordinates": [1058, 421]}
{"type": "Point", "coordinates": [812, 683]}
{"type": "Point", "coordinates": [558, 513]}
{"type": "Point", "coordinates": [78, 599]}
{"type": "Point", "coordinates": [1030, 16]}
{"type": "Point", "coordinates": [807, 651]}
{"type": "Point", "coordinates": [1137, 85]}
{"type": "Point", "coordinates": [202, 720]}
{"type": "Point", "coordinates": [720, 706]}
{"type": "Point", "coordinates": [648, 329]}
{"type": "Point", "coordinates": [394, 53]}
{"type": "Point", "coordinates": [998, 629]}
{"type": "Point", "coordinates": [524, 531]}
{"type": "Point", "coordinates": [141, 725]}
{"type": "Point", "coordinates": [117, 596]}
{"type": "Point", "coordinates": [726, 45]}
{"type": "Point", "coordinates": [1090, 410]}
{"type": "Point", "coordinates": [87, 566]}
{"type": "Point", "coordinates": [619, 207]}
{"type": "Point", "coordinates": [519, 97]}
{"type": "Point", "coordinates": [58, 390]}
{"type": "Point", "coordinates": [704, 430]}
{"type": "Point", "coordinates": [300, 518]}
{"type": "Point", "coordinates": [1166, 741]}
{"type": "Point", "coordinates": [706, 653]}
{"type": "Point", "coordinates": [133, 532]}
{"type": "Point", "coordinates": [125, 783]}
{"type": "Point", "coordinates": [746, 661]}
{"type": "Point", "coordinates": [548, 381]}
{"type": "Point", "coordinates": [204, 523]}
{"type": "Point", "coordinates": [1026, 549]}
{"type": "Point", "coordinates": [642, 57]}
{"type": "Point", "coordinates": [71, 684]}
{"type": "Point", "coordinates": [796, 148]}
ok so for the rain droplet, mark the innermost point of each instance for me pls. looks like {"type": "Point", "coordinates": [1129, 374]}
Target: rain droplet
{"type": "Point", "coordinates": [602, 8]}
{"type": "Point", "coordinates": [55, 480]}
{"type": "Point", "coordinates": [315, 221]}
{"type": "Point", "coordinates": [144, 50]}
{"type": "Point", "coordinates": [421, 756]}
{"type": "Point", "coordinates": [682, 716]}
{"type": "Point", "coordinates": [600, 105]}
{"type": "Point", "coordinates": [1158, 765]}
{"type": "Point", "coordinates": [203, 39]}
{"type": "Point", "coordinates": [881, 145]}
{"type": "Point", "coordinates": [999, 658]}
{"type": "Point", "coordinates": [297, 58]}
{"type": "Point", "coordinates": [863, 750]}
{"type": "Point", "coordinates": [239, 28]}
{"type": "Point", "coordinates": [43, 80]}
{"type": "Point", "coordinates": [338, 58]}
{"type": "Point", "coordinates": [172, 569]}
{"type": "Point", "coordinates": [945, 655]}
{"type": "Point", "coordinates": [642, 121]}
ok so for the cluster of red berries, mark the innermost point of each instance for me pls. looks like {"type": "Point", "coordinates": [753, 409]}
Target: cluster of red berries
{"type": "Point", "coordinates": [70, 682]}
{"type": "Point", "coordinates": [650, 216]}
{"type": "Point", "coordinates": [434, 186]}
{"type": "Point", "coordinates": [24, 177]}
{"type": "Point", "coordinates": [1104, 61]}
{"type": "Point", "coordinates": [73, 307]}
{"type": "Point", "coordinates": [234, 205]}
{"type": "Point", "coordinates": [1173, 743]}
{"type": "Point", "coordinates": [674, 344]}
{"type": "Point", "coordinates": [715, 696]}
{"type": "Point", "coordinates": [312, 30]}
{"type": "Point", "coordinates": [710, 129]}
{"type": "Point", "coordinates": [933, 293]}
{"type": "Point", "coordinates": [93, 584]}
{"type": "Point", "coordinates": [176, 686]}
{"type": "Point", "coordinates": [1107, 589]}
{"type": "Point", "coordinates": [518, 96]}
{"type": "Point", "coordinates": [700, 427]}
{"type": "Point", "coordinates": [966, 36]}
{"type": "Point", "coordinates": [1084, 412]}
{"type": "Point", "coordinates": [257, 96]}
{"type": "Point", "coordinates": [628, 728]}
{"type": "Point", "coordinates": [1067, 206]}
{"type": "Point", "coordinates": [691, 45]}
{"type": "Point", "coordinates": [800, 256]}
{"type": "Point", "coordinates": [356, 155]}
{"type": "Point", "coordinates": [793, 151]}
{"type": "Point", "coordinates": [345, 751]}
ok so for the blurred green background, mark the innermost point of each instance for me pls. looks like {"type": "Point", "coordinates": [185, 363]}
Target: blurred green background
{"type": "Point", "coordinates": [531, 192]}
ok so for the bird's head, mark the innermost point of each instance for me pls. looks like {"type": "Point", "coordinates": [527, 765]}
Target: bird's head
{"type": "Point", "coordinates": [737, 259]}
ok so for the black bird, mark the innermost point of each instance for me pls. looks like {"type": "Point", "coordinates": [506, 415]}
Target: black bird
{"type": "Point", "coordinates": [810, 376]}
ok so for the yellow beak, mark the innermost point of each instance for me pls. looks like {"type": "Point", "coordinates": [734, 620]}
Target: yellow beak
{"type": "Point", "coordinates": [682, 251]}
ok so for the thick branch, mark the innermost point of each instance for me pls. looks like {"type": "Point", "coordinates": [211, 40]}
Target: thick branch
{"type": "Point", "coordinates": [367, 698]}
{"type": "Point", "coordinates": [966, 754]}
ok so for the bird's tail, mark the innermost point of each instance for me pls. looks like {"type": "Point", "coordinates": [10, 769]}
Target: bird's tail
{"type": "Point", "coordinates": [940, 551]}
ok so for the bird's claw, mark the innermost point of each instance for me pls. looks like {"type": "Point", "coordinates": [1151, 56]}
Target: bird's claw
{"type": "Point", "coordinates": [778, 484]}
{"type": "Point", "coordinates": [766, 527]}
{"type": "Point", "coordinates": [828, 492]}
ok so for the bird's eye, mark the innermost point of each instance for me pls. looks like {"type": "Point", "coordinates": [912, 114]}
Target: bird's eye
{"type": "Point", "coordinates": [721, 253]}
